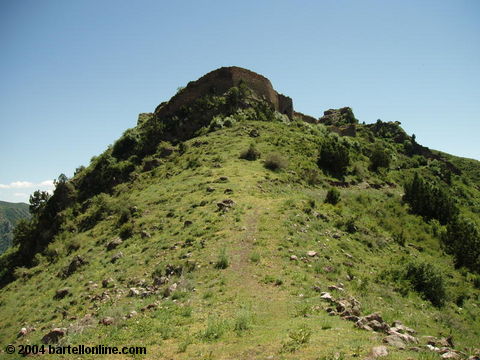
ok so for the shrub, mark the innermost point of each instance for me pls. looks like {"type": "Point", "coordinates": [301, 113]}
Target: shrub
{"type": "Point", "coordinates": [462, 240]}
{"type": "Point", "coordinates": [250, 154]}
{"type": "Point", "coordinates": [298, 337]}
{"type": "Point", "coordinates": [222, 261]}
{"type": "Point", "coordinates": [429, 200]}
{"type": "Point", "coordinates": [379, 158]}
{"type": "Point", "coordinates": [242, 322]}
{"type": "Point", "coordinates": [275, 161]}
{"type": "Point", "coordinates": [428, 281]}
{"type": "Point", "coordinates": [333, 196]}
{"type": "Point", "coordinates": [334, 156]}
{"type": "Point", "coordinates": [215, 329]}
{"type": "Point", "coordinates": [126, 231]}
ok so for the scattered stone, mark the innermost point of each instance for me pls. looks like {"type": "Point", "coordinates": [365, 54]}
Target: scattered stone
{"type": "Point", "coordinates": [378, 351]}
{"type": "Point", "coordinates": [54, 336]}
{"type": "Point", "coordinates": [335, 287]}
{"type": "Point", "coordinates": [145, 234]}
{"type": "Point", "coordinates": [132, 314]}
{"type": "Point", "coordinates": [223, 179]}
{"type": "Point", "coordinates": [254, 133]}
{"type": "Point", "coordinates": [107, 320]}
{"type": "Point", "coordinates": [61, 293]}
{"type": "Point", "coordinates": [114, 243]}
{"type": "Point", "coordinates": [187, 223]}
{"type": "Point", "coordinates": [327, 296]}
{"type": "Point", "coordinates": [451, 355]}
{"type": "Point", "coordinates": [311, 253]}
{"type": "Point", "coordinates": [398, 327]}
{"type": "Point", "coordinates": [293, 257]}
{"type": "Point", "coordinates": [25, 331]}
{"type": "Point", "coordinates": [115, 257]}
{"type": "Point", "coordinates": [228, 191]}
{"type": "Point", "coordinates": [133, 292]}
{"type": "Point", "coordinates": [106, 283]}
{"type": "Point", "coordinates": [395, 341]}
{"type": "Point", "coordinates": [225, 205]}
{"type": "Point", "coordinates": [210, 189]}
{"type": "Point", "coordinates": [158, 281]}
{"type": "Point", "coordinates": [329, 269]}
{"type": "Point", "coordinates": [440, 342]}
{"type": "Point", "coordinates": [74, 265]}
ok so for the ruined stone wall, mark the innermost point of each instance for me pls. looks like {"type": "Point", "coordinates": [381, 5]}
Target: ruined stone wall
{"type": "Point", "coordinates": [219, 81]}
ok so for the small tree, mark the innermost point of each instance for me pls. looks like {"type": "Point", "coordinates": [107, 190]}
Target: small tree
{"type": "Point", "coordinates": [334, 156]}
{"type": "Point", "coordinates": [333, 196]}
{"type": "Point", "coordinates": [275, 161]}
{"type": "Point", "coordinates": [250, 154]}
{"type": "Point", "coordinates": [379, 158]}
{"type": "Point", "coordinates": [462, 240]}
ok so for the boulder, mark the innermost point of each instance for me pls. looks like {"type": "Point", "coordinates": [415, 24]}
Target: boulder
{"type": "Point", "coordinates": [114, 243]}
{"type": "Point", "coordinates": [225, 205]}
{"type": "Point", "coordinates": [61, 293]}
{"type": "Point", "coordinates": [327, 296]}
{"type": "Point", "coordinates": [133, 292]}
{"type": "Point", "coordinates": [116, 257]}
{"type": "Point", "coordinates": [451, 355]}
{"type": "Point", "coordinates": [311, 253]}
{"type": "Point", "coordinates": [107, 320]}
{"type": "Point", "coordinates": [378, 351]}
{"type": "Point", "coordinates": [398, 327]}
{"type": "Point", "coordinates": [293, 257]}
{"type": "Point", "coordinates": [54, 335]}
{"type": "Point", "coordinates": [395, 341]}
{"type": "Point", "coordinates": [74, 265]}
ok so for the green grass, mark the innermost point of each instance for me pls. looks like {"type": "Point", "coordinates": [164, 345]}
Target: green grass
{"type": "Point", "coordinates": [238, 293]}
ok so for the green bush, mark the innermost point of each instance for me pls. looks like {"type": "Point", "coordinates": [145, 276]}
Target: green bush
{"type": "Point", "coordinates": [222, 261]}
{"type": "Point", "coordinates": [333, 196]}
{"type": "Point", "coordinates": [126, 230]}
{"type": "Point", "coordinates": [275, 161]}
{"type": "Point", "coordinates": [251, 153]}
{"type": "Point", "coordinates": [379, 158]}
{"type": "Point", "coordinates": [462, 240]}
{"type": "Point", "coordinates": [430, 200]}
{"type": "Point", "coordinates": [428, 281]}
{"type": "Point", "coordinates": [334, 156]}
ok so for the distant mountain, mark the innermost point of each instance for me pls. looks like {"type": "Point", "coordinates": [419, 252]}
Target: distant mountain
{"type": "Point", "coordinates": [10, 215]}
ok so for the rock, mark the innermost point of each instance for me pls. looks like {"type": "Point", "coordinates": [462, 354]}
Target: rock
{"type": "Point", "coordinates": [326, 296]}
{"type": "Point", "coordinates": [254, 133]}
{"type": "Point", "coordinates": [397, 326]}
{"type": "Point", "coordinates": [107, 320]}
{"type": "Point", "coordinates": [74, 265]}
{"type": "Point", "coordinates": [439, 342]}
{"type": "Point", "coordinates": [54, 336]}
{"type": "Point", "coordinates": [335, 287]}
{"type": "Point", "coordinates": [25, 331]}
{"type": "Point", "coordinates": [133, 292]}
{"type": "Point", "coordinates": [395, 341]}
{"type": "Point", "coordinates": [187, 223]}
{"type": "Point", "coordinates": [451, 355]}
{"type": "Point", "coordinates": [293, 257]}
{"type": "Point", "coordinates": [378, 351]}
{"type": "Point", "coordinates": [210, 189]}
{"type": "Point", "coordinates": [225, 205]}
{"type": "Point", "coordinates": [106, 283]}
{"type": "Point", "coordinates": [115, 257]}
{"type": "Point", "coordinates": [132, 314]}
{"type": "Point", "coordinates": [61, 293]}
{"type": "Point", "coordinates": [223, 179]}
{"type": "Point", "coordinates": [311, 253]}
{"type": "Point", "coordinates": [114, 243]}
{"type": "Point", "coordinates": [158, 281]}
{"type": "Point", "coordinates": [228, 191]}
{"type": "Point", "coordinates": [406, 338]}
{"type": "Point", "coordinates": [145, 234]}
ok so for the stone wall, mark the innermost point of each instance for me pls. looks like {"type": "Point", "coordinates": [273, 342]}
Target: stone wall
{"type": "Point", "coordinates": [218, 82]}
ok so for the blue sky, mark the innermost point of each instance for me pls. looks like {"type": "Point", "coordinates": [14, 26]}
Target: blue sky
{"type": "Point", "coordinates": [75, 74]}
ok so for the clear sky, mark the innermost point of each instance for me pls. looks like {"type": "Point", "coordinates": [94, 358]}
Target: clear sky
{"type": "Point", "coordinates": [75, 74]}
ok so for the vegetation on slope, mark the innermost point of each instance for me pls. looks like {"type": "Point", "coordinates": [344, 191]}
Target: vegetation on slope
{"type": "Point", "coordinates": [10, 215]}
{"type": "Point", "coordinates": [216, 241]}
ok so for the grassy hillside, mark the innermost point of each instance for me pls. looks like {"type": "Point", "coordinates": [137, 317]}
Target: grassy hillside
{"type": "Point", "coordinates": [222, 246]}
{"type": "Point", "coordinates": [10, 214]}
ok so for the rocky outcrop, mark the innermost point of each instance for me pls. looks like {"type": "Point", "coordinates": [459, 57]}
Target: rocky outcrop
{"type": "Point", "coordinates": [217, 82]}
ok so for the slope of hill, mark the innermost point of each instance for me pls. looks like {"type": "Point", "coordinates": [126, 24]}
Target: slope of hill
{"type": "Point", "coordinates": [10, 214]}
{"type": "Point", "coordinates": [229, 230]}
